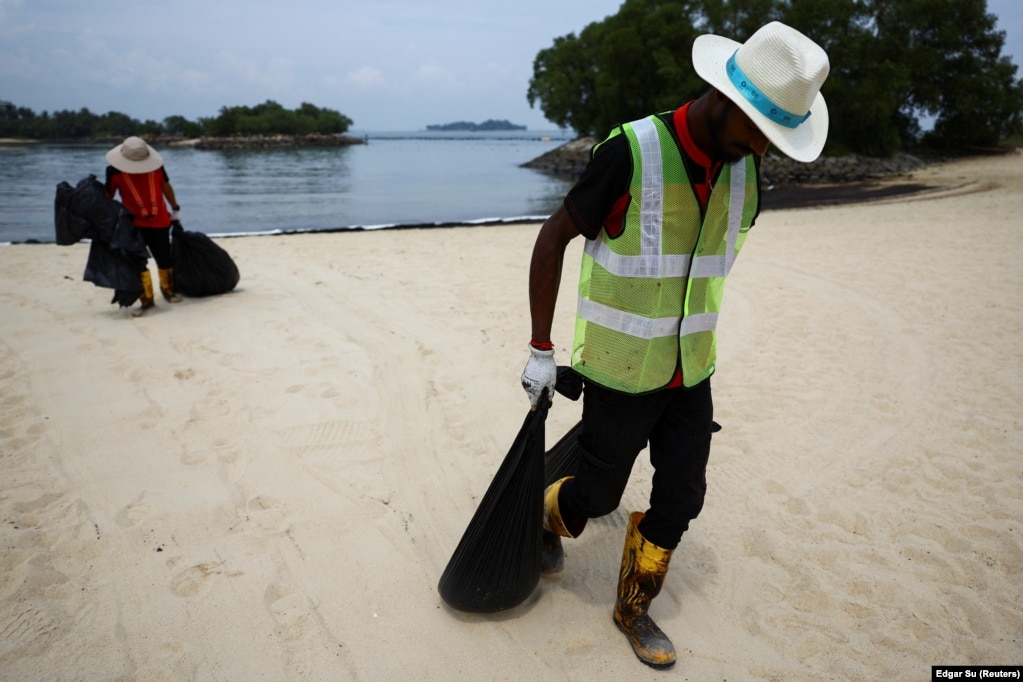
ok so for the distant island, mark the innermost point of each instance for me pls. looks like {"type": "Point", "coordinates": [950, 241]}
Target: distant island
{"type": "Point", "coordinates": [467, 126]}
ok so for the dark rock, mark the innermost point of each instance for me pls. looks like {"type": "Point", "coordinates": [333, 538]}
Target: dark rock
{"type": "Point", "coordinates": [275, 141]}
{"type": "Point", "coordinates": [566, 161]}
{"type": "Point", "coordinates": [777, 170]}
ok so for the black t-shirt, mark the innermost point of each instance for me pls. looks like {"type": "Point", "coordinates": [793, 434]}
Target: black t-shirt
{"type": "Point", "coordinates": [601, 195]}
{"type": "Point", "coordinates": [603, 184]}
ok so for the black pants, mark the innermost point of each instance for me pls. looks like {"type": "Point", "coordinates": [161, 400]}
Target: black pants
{"type": "Point", "coordinates": [157, 240]}
{"type": "Point", "coordinates": [677, 423]}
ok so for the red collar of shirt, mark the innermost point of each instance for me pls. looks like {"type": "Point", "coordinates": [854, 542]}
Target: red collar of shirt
{"type": "Point", "coordinates": [695, 154]}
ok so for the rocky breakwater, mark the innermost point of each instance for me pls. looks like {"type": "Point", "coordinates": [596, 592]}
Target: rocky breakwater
{"type": "Point", "coordinates": [778, 170]}
{"type": "Point", "coordinates": [271, 141]}
{"type": "Point", "coordinates": [566, 161]}
{"type": "Point", "coordinates": [570, 159]}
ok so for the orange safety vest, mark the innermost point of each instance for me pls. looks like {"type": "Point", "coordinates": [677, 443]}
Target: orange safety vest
{"type": "Point", "coordinates": [142, 195]}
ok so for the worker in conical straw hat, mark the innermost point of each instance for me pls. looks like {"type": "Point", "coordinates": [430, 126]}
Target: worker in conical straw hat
{"type": "Point", "coordinates": [665, 204]}
{"type": "Point", "coordinates": [136, 172]}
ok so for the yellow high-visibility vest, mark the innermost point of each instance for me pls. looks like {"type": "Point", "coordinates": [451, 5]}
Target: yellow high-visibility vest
{"type": "Point", "coordinates": [653, 294]}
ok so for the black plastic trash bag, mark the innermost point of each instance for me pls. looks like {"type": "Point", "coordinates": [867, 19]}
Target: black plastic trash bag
{"type": "Point", "coordinates": [85, 212]}
{"type": "Point", "coordinates": [117, 253]}
{"type": "Point", "coordinates": [496, 565]}
{"type": "Point", "coordinates": [569, 383]}
{"type": "Point", "coordinates": [201, 267]}
{"type": "Point", "coordinates": [562, 458]}
{"type": "Point", "coordinates": [70, 227]}
{"type": "Point", "coordinates": [112, 270]}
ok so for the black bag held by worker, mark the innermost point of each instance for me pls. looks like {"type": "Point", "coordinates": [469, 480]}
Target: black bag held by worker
{"type": "Point", "coordinates": [201, 267]}
{"type": "Point", "coordinates": [561, 459]}
{"type": "Point", "coordinates": [117, 252]}
{"type": "Point", "coordinates": [496, 565]}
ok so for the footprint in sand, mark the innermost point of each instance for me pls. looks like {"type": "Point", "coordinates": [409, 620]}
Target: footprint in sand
{"type": "Point", "coordinates": [134, 513]}
{"type": "Point", "coordinates": [191, 581]}
{"type": "Point", "coordinates": [193, 457]}
{"type": "Point", "coordinates": [268, 513]}
{"type": "Point", "coordinates": [289, 610]}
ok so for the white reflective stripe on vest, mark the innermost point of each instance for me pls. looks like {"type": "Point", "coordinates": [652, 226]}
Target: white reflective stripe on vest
{"type": "Point", "coordinates": [700, 322]}
{"type": "Point", "coordinates": [627, 323]}
{"type": "Point", "coordinates": [652, 207]}
{"type": "Point", "coordinates": [650, 263]}
{"type": "Point", "coordinates": [636, 266]}
{"type": "Point", "coordinates": [709, 266]}
{"type": "Point", "coordinates": [666, 266]}
{"type": "Point", "coordinates": [720, 266]}
{"type": "Point", "coordinates": [737, 200]}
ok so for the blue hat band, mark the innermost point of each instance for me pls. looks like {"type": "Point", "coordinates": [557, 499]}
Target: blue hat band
{"type": "Point", "coordinates": [759, 100]}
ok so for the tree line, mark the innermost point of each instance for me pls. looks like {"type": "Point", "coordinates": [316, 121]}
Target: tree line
{"type": "Point", "coordinates": [269, 118]}
{"type": "Point", "coordinates": [894, 63]}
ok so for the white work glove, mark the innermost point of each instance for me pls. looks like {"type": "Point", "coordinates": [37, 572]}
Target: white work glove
{"type": "Point", "coordinates": [176, 215]}
{"type": "Point", "coordinates": [541, 372]}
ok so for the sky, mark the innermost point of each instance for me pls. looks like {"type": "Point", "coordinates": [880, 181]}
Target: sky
{"type": "Point", "coordinates": [389, 65]}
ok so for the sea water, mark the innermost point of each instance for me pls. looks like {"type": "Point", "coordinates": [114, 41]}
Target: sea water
{"type": "Point", "coordinates": [395, 179]}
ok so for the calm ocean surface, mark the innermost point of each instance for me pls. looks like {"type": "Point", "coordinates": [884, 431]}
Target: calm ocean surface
{"type": "Point", "coordinates": [419, 178]}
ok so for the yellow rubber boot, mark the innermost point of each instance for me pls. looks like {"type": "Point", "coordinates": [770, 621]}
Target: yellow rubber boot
{"type": "Point", "coordinates": [146, 298]}
{"type": "Point", "coordinates": [167, 285]}
{"type": "Point", "coordinates": [552, 521]}
{"type": "Point", "coordinates": [644, 566]}
{"type": "Point", "coordinates": [553, 554]}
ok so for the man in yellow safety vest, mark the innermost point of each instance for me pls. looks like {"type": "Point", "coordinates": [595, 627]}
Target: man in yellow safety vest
{"type": "Point", "coordinates": [665, 204]}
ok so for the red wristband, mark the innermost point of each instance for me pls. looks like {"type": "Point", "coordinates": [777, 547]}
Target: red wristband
{"type": "Point", "coordinates": [542, 345]}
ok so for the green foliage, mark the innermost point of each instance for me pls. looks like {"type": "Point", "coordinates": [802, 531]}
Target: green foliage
{"type": "Point", "coordinates": [959, 75]}
{"type": "Point", "coordinates": [269, 118]}
{"type": "Point", "coordinates": [892, 63]}
{"type": "Point", "coordinates": [737, 19]}
{"type": "Point", "coordinates": [563, 84]}
{"type": "Point", "coordinates": [469, 126]}
{"type": "Point", "coordinates": [181, 127]}
{"type": "Point", "coordinates": [114, 124]}
{"type": "Point", "coordinates": [617, 70]}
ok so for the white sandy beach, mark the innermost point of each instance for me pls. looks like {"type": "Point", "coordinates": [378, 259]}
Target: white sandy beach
{"type": "Point", "coordinates": [267, 485]}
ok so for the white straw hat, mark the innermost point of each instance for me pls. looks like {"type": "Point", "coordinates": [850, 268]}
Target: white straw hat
{"type": "Point", "coordinates": [134, 156]}
{"type": "Point", "coordinates": [775, 78]}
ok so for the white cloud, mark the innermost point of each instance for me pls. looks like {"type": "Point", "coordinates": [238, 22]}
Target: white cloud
{"type": "Point", "coordinates": [194, 80]}
{"type": "Point", "coordinates": [391, 64]}
{"type": "Point", "coordinates": [435, 76]}
{"type": "Point", "coordinates": [382, 62]}
{"type": "Point", "coordinates": [236, 72]}
{"type": "Point", "coordinates": [365, 76]}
